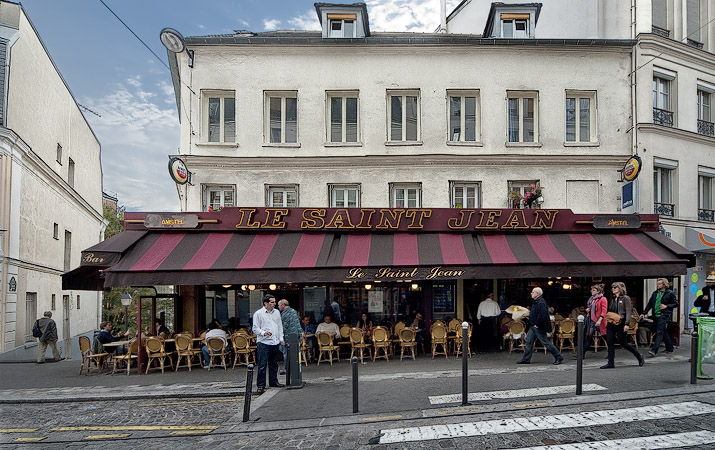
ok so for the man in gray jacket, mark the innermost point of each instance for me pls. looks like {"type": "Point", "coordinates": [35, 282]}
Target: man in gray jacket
{"type": "Point", "coordinates": [49, 337]}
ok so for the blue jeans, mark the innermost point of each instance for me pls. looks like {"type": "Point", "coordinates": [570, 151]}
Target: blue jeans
{"type": "Point", "coordinates": [661, 334]}
{"type": "Point", "coordinates": [267, 356]}
{"type": "Point", "coordinates": [534, 334]}
{"type": "Point", "coordinates": [207, 355]}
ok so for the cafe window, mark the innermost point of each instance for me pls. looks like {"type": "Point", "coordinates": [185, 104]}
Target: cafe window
{"type": "Point", "coordinates": [444, 296]}
{"type": "Point", "coordinates": [464, 194]}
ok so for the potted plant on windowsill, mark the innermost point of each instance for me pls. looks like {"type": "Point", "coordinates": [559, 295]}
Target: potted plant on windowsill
{"type": "Point", "coordinates": [533, 196]}
{"type": "Point", "coordinates": [514, 197]}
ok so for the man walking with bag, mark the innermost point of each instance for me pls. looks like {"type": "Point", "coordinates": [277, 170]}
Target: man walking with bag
{"type": "Point", "coordinates": [540, 325]}
{"type": "Point", "coordinates": [48, 328]}
{"type": "Point", "coordinates": [662, 302]}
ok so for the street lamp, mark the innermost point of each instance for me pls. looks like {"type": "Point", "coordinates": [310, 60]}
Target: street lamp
{"type": "Point", "coordinates": [126, 300]}
{"type": "Point", "coordinates": [175, 43]}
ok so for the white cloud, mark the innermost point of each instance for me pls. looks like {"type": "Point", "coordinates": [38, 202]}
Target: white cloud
{"type": "Point", "coordinates": [201, 27]}
{"type": "Point", "coordinates": [136, 135]}
{"type": "Point", "coordinates": [406, 15]}
{"type": "Point", "coordinates": [307, 21]}
{"type": "Point", "coordinates": [270, 25]}
{"type": "Point", "coordinates": [243, 23]}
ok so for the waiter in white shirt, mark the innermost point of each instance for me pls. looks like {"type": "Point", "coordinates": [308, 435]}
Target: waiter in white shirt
{"type": "Point", "coordinates": [268, 328]}
{"type": "Point", "coordinates": [487, 315]}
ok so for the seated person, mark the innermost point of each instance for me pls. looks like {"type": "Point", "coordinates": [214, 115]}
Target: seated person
{"type": "Point", "coordinates": [418, 324]}
{"type": "Point", "coordinates": [160, 329]}
{"type": "Point", "coordinates": [577, 311]}
{"type": "Point", "coordinates": [309, 331]}
{"type": "Point", "coordinates": [105, 337]}
{"type": "Point", "coordinates": [364, 324]}
{"type": "Point", "coordinates": [213, 332]}
{"type": "Point", "coordinates": [329, 327]}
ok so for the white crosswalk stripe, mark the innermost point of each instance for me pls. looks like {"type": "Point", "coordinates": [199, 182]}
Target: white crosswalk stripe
{"type": "Point", "coordinates": [678, 440]}
{"type": "Point", "coordinates": [560, 421]}
{"type": "Point", "coordinates": [512, 393]}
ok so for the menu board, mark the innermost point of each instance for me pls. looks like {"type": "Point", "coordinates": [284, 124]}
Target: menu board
{"type": "Point", "coordinates": [313, 300]}
{"type": "Point", "coordinates": [443, 298]}
{"type": "Point", "coordinates": [375, 302]}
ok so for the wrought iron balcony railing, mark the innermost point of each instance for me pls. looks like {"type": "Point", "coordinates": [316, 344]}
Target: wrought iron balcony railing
{"type": "Point", "coordinates": [706, 128]}
{"type": "Point", "coordinates": [661, 31]}
{"type": "Point", "coordinates": [694, 43]}
{"type": "Point", "coordinates": [662, 117]}
{"type": "Point", "coordinates": [664, 209]}
{"type": "Point", "coordinates": [706, 215]}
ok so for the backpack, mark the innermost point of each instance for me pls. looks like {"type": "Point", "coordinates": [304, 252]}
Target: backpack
{"type": "Point", "coordinates": [36, 332]}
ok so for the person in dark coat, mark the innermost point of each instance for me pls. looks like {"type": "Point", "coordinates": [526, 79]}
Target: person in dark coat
{"type": "Point", "coordinates": [662, 302]}
{"type": "Point", "coordinates": [49, 337]}
{"type": "Point", "coordinates": [540, 325]}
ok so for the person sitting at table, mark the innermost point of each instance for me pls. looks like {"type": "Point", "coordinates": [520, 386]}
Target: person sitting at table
{"type": "Point", "coordinates": [418, 324]}
{"type": "Point", "coordinates": [309, 331]}
{"type": "Point", "coordinates": [105, 337]}
{"type": "Point", "coordinates": [329, 327]}
{"type": "Point", "coordinates": [160, 328]}
{"type": "Point", "coordinates": [214, 331]}
{"type": "Point", "coordinates": [577, 311]}
{"type": "Point", "coordinates": [364, 324]}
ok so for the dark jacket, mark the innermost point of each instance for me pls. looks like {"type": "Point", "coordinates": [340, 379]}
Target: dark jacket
{"type": "Point", "coordinates": [668, 300]}
{"type": "Point", "coordinates": [105, 337]}
{"type": "Point", "coordinates": [539, 315]}
{"type": "Point", "coordinates": [49, 329]}
{"type": "Point", "coordinates": [623, 306]}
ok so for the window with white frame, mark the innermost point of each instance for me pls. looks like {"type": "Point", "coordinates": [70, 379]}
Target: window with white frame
{"type": "Point", "coordinates": [663, 182]}
{"type": "Point", "coordinates": [285, 196]}
{"type": "Point", "coordinates": [217, 197]}
{"type": "Point", "coordinates": [341, 26]}
{"type": "Point", "coordinates": [706, 199]}
{"type": "Point", "coordinates": [343, 116]}
{"type": "Point", "coordinates": [281, 117]}
{"type": "Point", "coordinates": [344, 195]}
{"type": "Point", "coordinates": [662, 100]}
{"type": "Point", "coordinates": [522, 116]}
{"type": "Point", "coordinates": [463, 116]}
{"type": "Point", "coordinates": [405, 195]}
{"type": "Point", "coordinates": [464, 194]}
{"type": "Point", "coordinates": [580, 116]}
{"type": "Point", "coordinates": [705, 120]}
{"type": "Point", "coordinates": [517, 190]}
{"type": "Point", "coordinates": [517, 27]}
{"type": "Point", "coordinates": [220, 116]}
{"type": "Point", "coordinates": [404, 116]}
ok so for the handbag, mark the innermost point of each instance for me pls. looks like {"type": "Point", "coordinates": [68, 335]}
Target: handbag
{"type": "Point", "coordinates": [613, 318]}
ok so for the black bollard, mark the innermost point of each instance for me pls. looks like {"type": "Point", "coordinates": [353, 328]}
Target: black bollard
{"type": "Point", "coordinates": [286, 360]}
{"type": "Point", "coordinates": [355, 384]}
{"type": "Point", "coordinates": [465, 363]}
{"type": "Point", "coordinates": [694, 347]}
{"type": "Point", "coordinates": [579, 361]}
{"type": "Point", "coordinates": [247, 398]}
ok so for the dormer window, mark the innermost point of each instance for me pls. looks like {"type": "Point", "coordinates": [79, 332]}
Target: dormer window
{"type": "Point", "coordinates": [512, 20]}
{"type": "Point", "coordinates": [514, 25]}
{"type": "Point", "coordinates": [343, 21]}
{"type": "Point", "coordinates": [342, 25]}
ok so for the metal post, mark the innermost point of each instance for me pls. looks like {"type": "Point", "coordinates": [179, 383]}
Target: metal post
{"type": "Point", "coordinates": [465, 363]}
{"type": "Point", "coordinates": [294, 371]}
{"type": "Point", "coordinates": [694, 355]}
{"type": "Point", "coordinates": [247, 397]}
{"type": "Point", "coordinates": [580, 348]}
{"type": "Point", "coordinates": [355, 384]}
{"type": "Point", "coordinates": [287, 360]}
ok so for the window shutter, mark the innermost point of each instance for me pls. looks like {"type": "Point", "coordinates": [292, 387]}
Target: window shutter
{"type": "Point", "coordinates": [660, 13]}
{"type": "Point", "coordinates": [694, 20]}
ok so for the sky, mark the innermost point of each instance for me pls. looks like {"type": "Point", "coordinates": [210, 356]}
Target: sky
{"type": "Point", "coordinates": [129, 91]}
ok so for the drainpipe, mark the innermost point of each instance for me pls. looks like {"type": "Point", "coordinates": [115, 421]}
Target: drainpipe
{"type": "Point", "coordinates": [443, 16]}
{"type": "Point", "coordinates": [634, 89]}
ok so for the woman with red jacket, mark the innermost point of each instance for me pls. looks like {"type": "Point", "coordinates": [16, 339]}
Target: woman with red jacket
{"type": "Point", "coordinates": [596, 319]}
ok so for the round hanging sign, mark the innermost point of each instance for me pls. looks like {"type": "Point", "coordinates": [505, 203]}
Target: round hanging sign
{"type": "Point", "coordinates": [178, 171]}
{"type": "Point", "coordinates": [632, 168]}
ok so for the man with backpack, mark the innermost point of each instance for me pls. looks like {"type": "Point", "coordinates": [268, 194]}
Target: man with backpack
{"type": "Point", "coordinates": [46, 330]}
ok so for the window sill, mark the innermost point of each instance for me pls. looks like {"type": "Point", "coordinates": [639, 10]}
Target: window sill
{"type": "Point", "coordinates": [277, 145]}
{"type": "Point", "coordinates": [217, 144]}
{"type": "Point", "coordinates": [582, 144]}
{"type": "Point", "coordinates": [342, 144]}
{"type": "Point", "coordinates": [523, 144]}
{"type": "Point", "coordinates": [402, 143]}
{"type": "Point", "coordinates": [465, 144]}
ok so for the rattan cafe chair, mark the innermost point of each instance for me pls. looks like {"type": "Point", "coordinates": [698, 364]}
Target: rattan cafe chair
{"type": "Point", "coordinates": [156, 351]}
{"type": "Point", "coordinates": [242, 350]}
{"type": "Point", "coordinates": [217, 349]}
{"type": "Point", "coordinates": [357, 341]}
{"type": "Point", "coordinates": [381, 341]}
{"type": "Point", "coordinates": [439, 338]}
{"type": "Point", "coordinates": [99, 359]}
{"type": "Point", "coordinates": [327, 347]}
{"type": "Point", "coordinates": [566, 332]}
{"type": "Point", "coordinates": [408, 341]}
{"type": "Point", "coordinates": [128, 357]}
{"type": "Point", "coordinates": [185, 351]}
{"type": "Point", "coordinates": [516, 334]}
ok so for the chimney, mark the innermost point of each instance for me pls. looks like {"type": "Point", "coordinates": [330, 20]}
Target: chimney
{"type": "Point", "coordinates": [443, 16]}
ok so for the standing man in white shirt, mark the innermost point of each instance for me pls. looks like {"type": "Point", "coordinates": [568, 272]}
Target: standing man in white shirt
{"type": "Point", "coordinates": [268, 329]}
{"type": "Point", "coordinates": [488, 315]}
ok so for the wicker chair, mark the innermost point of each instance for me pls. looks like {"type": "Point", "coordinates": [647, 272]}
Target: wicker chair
{"type": "Point", "coordinates": [566, 332]}
{"type": "Point", "coordinates": [100, 359]}
{"type": "Point", "coordinates": [407, 341]}
{"type": "Point", "coordinates": [516, 333]}
{"type": "Point", "coordinates": [458, 342]}
{"type": "Point", "coordinates": [326, 346]}
{"type": "Point", "coordinates": [217, 349]}
{"type": "Point", "coordinates": [156, 351]}
{"type": "Point", "coordinates": [357, 341]}
{"type": "Point", "coordinates": [632, 333]}
{"type": "Point", "coordinates": [439, 338]}
{"type": "Point", "coordinates": [185, 350]}
{"type": "Point", "coordinates": [241, 349]}
{"type": "Point", "coordinates": [381, 340]}
{"type": "Point", "coordinates": [128, 357]}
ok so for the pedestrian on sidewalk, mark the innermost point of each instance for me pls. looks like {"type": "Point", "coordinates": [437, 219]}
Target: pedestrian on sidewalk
{"type": "Point", "coordinates": [540, 325]}
{"type": "Point", "coordinates": [662, 302]}
{"type": "Point", "coordinates": [291, 325]}
{"type": "Point", "coordinates": [596, 309]}
{"type": "Point", "coordinates": [620, 304]}
{"type": "Point", "coordinates": [48, 327]}
{"type": "Point", "coordinates": [268, 328]}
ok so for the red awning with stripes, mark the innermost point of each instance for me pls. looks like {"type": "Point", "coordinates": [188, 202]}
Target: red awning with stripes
{"type": "Point", "coordinates": [171, 257]}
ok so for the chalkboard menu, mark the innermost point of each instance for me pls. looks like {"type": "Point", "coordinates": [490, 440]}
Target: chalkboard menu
{"type": "Point", "coordinates": [443, 298]}
{"type": "Point", "coordinates": [313, 301]}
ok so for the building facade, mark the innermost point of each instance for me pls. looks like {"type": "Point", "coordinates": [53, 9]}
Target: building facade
{"type": "Point", "coordinates": [50, 191]}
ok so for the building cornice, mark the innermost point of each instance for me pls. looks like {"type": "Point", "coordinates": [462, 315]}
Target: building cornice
{"type": "Point", "coordinates": [676, 133]}
{"type": "Point", "coordinates": [37, 166]}
{"type": "Point", "coordinates": [701, 59]}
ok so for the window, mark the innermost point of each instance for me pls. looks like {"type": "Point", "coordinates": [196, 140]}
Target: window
{"type": "Point", "coordinates": [68, 251]}
{"type": "Point", "coordinates": [30, 314]}
{"type": "Point", "coordinates": [282, 196]}
{"type": "Point", "coordinates": [405, 195]}
{"type": "Point", "coordinates": [663, 178]}
{"type": "Point", "coordinates": [706, 200]}
{"type": "Point", "coordinates": [282, 117]}
{"type": "Point", "coordinates": [662, 113]}
{"type": "Point", "coordinates": [56, 232]}
{"type": "Point", "coordinates": [342, 27]}
{"type": "Point", "coordinates": [580, 117]}
{"type": "Point", "coordinates": [78, 304]}
{"type": "Point", "coordinates": [403, 112]}
{"type": "Point", "coordinates": [514, 28]}
{"type": "Point", "coordinates": [218, 197]}
{"type": "Point", "coordinates": [522, 116]}
{"type": "Point", "coordinates": [59, 154]}
{"type": "Point", "coordinates": [344, 195]}
{"type": "Point", "coordinates": [464, 194]}
{"type": "Point", "coordinates": [53, 303]}
{"type": "Point", "coordinates": [705, 123]}
{"type": "Point", "coordinates": [463, 116]}
{"type": "Point", "coordinates": [519, 188]}
{"type": "Point", "coordinates": [70, 172]}
{"type": "Point", "coordinates": [693, 20]}
{"type": "Point", "coordinates": [220, 113]}
{"type": "Point", "coordinates": [343, 114]}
